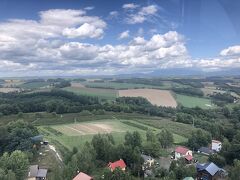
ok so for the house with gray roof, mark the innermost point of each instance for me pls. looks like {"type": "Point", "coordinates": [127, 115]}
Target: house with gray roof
{"type": "Point", "coordinates": [209, 171]}
{"type": "Point", "coordinates": [205, 150]}
{"type": "Point", "coordinates": [35, 173]}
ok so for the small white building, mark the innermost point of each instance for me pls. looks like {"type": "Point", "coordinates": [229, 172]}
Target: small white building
{"type": "Point", "coordinates": [216, 145]}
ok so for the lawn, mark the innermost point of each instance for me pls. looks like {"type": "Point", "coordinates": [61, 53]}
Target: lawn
{"type": "Point", "coordinates": [76, 134]}
{"type": "Point", "coordinates": [109, 94]}
{"type": "Point", "coordinates": [34, 85]}
{"type": "Point", "coordinates": [191, 101]}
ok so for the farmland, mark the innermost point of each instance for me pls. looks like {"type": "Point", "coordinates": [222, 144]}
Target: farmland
{"type": "Point", "coordinates": [115, 85]}
{"type": "Point", "coordinates": [76, 134]}
{"type": "Point", "coordinates": [34, 85]}
{"type": "Point", "coordinates": [156, 97]}
{"type": "Point", "coordinates": [7, 90]}
{"type": "Point", "coordinates": [109, 94]}
{"type": "Point", "coordinates": [191, 101]}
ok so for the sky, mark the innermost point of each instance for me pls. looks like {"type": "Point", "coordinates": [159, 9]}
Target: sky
{"type": "Point", "coordinates": [93, 37]}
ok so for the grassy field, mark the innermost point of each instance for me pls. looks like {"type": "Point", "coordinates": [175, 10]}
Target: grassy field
{"type": "Point", "coordinates": [33, 85]}
{"type": "Point", "coordinates": [109, 94]}
{"type": "Point", "coordinates": [114, 85]}
{"type": "Point", "coordinates": [190, 101]}
{"type": "Point", "coordinates": [181, 129]}
{"type": "Point", "coordinates": [75, 135]}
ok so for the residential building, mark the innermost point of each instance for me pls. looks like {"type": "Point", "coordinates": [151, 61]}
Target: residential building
{"type": "Point", "coordinates": [209, 171]}
{"type": "Point", "coordinates": [82, 176]}
{"type": "Point", "coordinates": [205, 150]}
{"type": "Point", "coordinates": [216, 145]}
{"type": "Point", "coordinates": [183, 152]}
{"type": "Point", "coordinates": [117, 164]}
{"type": "Point", "coordinates": [148, 160]}
{"type": "Point", "coordinates": [35, 173]}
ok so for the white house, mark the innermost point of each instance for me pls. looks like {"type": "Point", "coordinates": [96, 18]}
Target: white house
{"type": "Point", "coordinates": [216, 145]}
{"type": "Point", "coordinates": [183, 152]}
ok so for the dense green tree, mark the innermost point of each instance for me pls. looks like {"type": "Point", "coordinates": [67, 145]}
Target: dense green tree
{"type": "Point", "coordinates": [150, 136]}
{"type": "Point", "coordinates": [117, 174]}
{"type": "Point", "coordinates": [15, 164]}
{"type": "Point", "coordinates": [198, 139]}
{"type": "Point", "coordinates": [133, 139]}
{"type": "Point", "coordinates": [217, 159]}
{"type": "Point", "coordinates": [165, 138]}
{"type": "Point", "coordinates": [103, 146]}
{"type": "Point", "coordinates": [234, 171]}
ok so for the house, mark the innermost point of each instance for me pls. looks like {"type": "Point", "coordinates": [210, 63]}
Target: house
{"type": "Point", "coordinates": [82, 176]}
{"type": "Point", "coordinates": [188, 178]}
{"type": "Point", "coordinates": [117, 164]}
{"type": "Point", "coordinates": [205, 150]}
{"type": "Point", "coordinates": [183, 152]}
{"type": "Point", "coordinates": [209, 171]}
{"type": "Point", "coordinates": [216, 145]}
{"type": "Point", "coordinates": [148, 160]}
{"type": "Point", "coordinates": [35, 173]}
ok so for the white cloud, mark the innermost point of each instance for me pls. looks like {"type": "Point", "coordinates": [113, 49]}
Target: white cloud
{"type": "Point", "coordinates": [142, 15]}
{"type": "Point", "coordinates": [130, 6]}
{"type": "Point", "coordinates": [124, 35]}
{"type": "Point", "coordinates": [54, 45]}
{"type": "Point", "coordinates": [88, 8]}
{"type": "Point", "coordinates": [231, 51]}
{"type": "Point", "coordinates": [148, 10]}
{"type": "Point", "coordinates": [84, 31]}
{"type": "Point", "coordinates": [113, 14]}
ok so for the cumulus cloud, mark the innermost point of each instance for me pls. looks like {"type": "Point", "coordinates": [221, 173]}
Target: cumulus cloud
{"type": "Point", "coordinates": [130, 6]}
{"type": "Point", "coordinates": [231, 51]}
{"type": "Point", "coordinates": [142, 14]}
{"type": "Point", "coordinates": [113, 14]}
{"type": "Point", "coordinates": [124, 35]}
{"type": "Point", "coordinates": [54, 45]}
{"type": "Point", "coordinates": [85, 30]}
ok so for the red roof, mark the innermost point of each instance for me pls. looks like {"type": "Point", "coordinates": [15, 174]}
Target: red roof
{"type": "Point", "coordinates": [181, 150]}
{"type": "Point", "coordinates": [188, 157]}
{"type": "Point", "coordinates": [82, 176]}
{"type": "Point", "coordinates": [120, 163]}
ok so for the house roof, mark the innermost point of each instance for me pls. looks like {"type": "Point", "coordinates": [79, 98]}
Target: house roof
{"type": "Point", "coordinates": [211, 168]}
{"type": "Point", "coordinates": [188, 157]}
{"type": "Point", "coordinates": [216, 141]}
{"type": "Point", "coordinates": [205, 150]}
{"type": "Point", "coordinates": [42, 173]}
{"type": "Point", "coordinates": [33, 170]}
{"type": "Point", "coordinates": [181, 150]}
{"type": "Point", "coordinates": [120, 163]}
{"type": "Point", "coordinates": [82, 176]}
{"type": "Point", "coordinates": [188, 178]}
{"type": "Point", "coordinates": [145, 157]}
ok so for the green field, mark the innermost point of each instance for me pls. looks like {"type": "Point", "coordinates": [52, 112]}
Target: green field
{"type": "Point", "coordinates": [109, 94]}
{"type": "Point", "coordinates": [181, 129]}
{"type": "Point", "coordinates": [114, 85]}
{"type": "Point", "coordinates": [71, 134]}
{"type": "Point", "coordinates": [34, 85]}
{"type": "Point", "coordinates": [190, 101]}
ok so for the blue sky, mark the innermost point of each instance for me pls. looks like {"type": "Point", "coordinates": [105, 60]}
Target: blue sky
{"type": "Point", "coordinates": [71, 37]}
